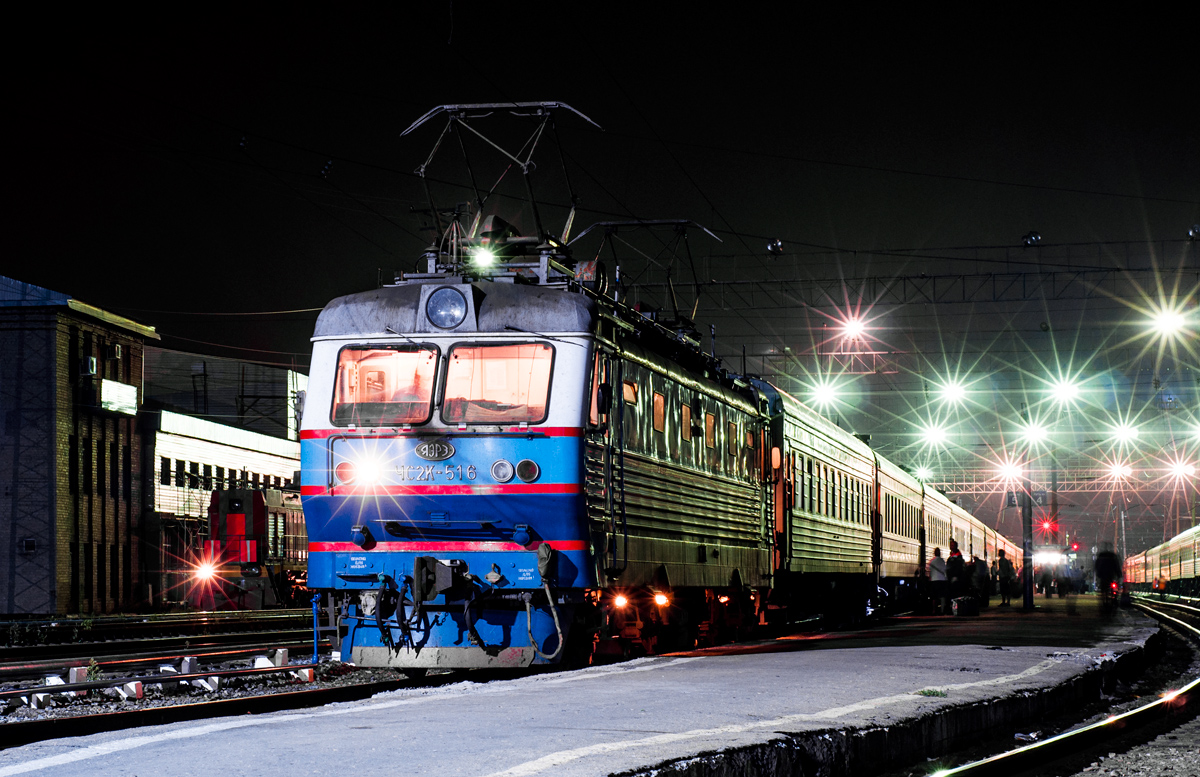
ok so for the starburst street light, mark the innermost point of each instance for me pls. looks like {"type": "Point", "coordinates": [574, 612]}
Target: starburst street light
{"type": "Point", "coordinates": [924, 473]}
{"type": "Point", "coordinates": [824, 393]}
{"type": "Point", "coordinates": [1168, 322]}
{"type": "Point", "coordinates": [1034, 433]}
{"type": "Point", "coordinates": [1120, 470]}
{"type": "Point", "coordinates": [933, 434]}
{"type": "Point", "coordinates": [953, 392]}
{"type": "Point", "coordinates": [1124, 433]}
{"type": "Point", "coordinates": [1182, 469]}
{"type": "Point", "coordinates": [1064, 391]}
{"type": "Point", "coordinates": [853, 328]}
{"type": "Point", "coordinates": [1010, 470]}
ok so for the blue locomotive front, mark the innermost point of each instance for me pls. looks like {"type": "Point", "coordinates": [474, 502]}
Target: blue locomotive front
{"type": "Point", "coordinates": [443, 467]}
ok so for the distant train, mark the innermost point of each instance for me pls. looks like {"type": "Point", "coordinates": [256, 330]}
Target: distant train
{"type": "Point", "coordinates": [256, 553]}
{"type": "Point", "coordinates": [1175, 564]}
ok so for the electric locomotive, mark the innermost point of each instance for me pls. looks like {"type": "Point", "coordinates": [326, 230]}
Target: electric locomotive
{"type": "Point", "coordinates": [503, 465]}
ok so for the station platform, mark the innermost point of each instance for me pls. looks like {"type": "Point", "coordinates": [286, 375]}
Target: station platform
{"type": "Point", "coordinates": [848, 702]}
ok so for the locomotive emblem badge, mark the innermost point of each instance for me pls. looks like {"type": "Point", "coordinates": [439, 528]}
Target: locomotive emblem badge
{"type": "Point", "coordinates": [434, 450]}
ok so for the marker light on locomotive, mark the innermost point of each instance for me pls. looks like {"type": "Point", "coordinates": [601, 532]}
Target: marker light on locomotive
{"type": "Point", "coordinates": [206, 571]}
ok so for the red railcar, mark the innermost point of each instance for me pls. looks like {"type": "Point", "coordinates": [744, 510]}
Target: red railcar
{"type": "Point", "coordinates": [256, 553]}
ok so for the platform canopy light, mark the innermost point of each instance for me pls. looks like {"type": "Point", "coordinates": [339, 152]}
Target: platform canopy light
{"type": "Point", "coordinates": [446, 308]}
{"type": "Point", "coordinates": [924, 473]}
{"type": "Point", "coordinates": [1168, 322]}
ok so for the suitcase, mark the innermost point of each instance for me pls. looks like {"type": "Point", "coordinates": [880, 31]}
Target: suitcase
{"type": "Point", "coordinates": [965, 605]}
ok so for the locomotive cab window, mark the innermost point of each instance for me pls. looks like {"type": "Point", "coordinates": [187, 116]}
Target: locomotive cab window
{"type": "Point", "coordinates": [384, 385]}
{"type": "Point", "coordinates": [498, 383]}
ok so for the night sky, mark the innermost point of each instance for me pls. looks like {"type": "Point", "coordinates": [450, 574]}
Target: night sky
{"type": "Point", "coordinates": [187, 174]}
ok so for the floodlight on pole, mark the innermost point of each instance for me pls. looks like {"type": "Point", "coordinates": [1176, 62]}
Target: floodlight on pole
{"type": "Point", "coordinates": [1120, 470]}
{"type": "Point", "coordinates": [924, 473]}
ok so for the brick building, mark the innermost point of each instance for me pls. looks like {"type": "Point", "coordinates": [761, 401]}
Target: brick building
{"type": "Point", "coordinates": [70, 454]}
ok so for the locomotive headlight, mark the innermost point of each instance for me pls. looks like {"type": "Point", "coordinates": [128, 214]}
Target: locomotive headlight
{"type": "Point", "coordinates": [661, 600]}
{"type": "Point", "coordinates": [345, 472]}
{"type": "Point", "coordinates": [369, 472]}
{"type": "Point", "coordinates": [528, 470]}
{"type": "Point", "coordinates": [619, 602]}
{"type": "Point", "coordinates": [206, 571]}
{"type": "Point", "coordinates": [502, 471]}
{"type": "Point", "coordinates": [446, 308]}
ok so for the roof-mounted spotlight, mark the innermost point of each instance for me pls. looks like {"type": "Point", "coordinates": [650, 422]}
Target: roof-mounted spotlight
{"type": "Point", "coordinates": [775, 247]}
{"type": "Point", "coordinates": [1194, 232]}
{"type": "Point", "coordinates": [1031, 239]}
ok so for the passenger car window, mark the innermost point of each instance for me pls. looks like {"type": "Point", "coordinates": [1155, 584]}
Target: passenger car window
{"type": "Point", "coordinates": [498, 383]}
{"type": "Point", "coordinates": [384, 385]}
{"type": "Point", "coordinates": [660, 412]}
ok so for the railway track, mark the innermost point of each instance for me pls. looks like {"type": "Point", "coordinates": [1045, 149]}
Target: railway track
{"type": "Point", "coordinates": [1084, 747]}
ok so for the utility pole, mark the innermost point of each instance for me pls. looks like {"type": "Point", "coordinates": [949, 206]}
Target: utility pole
{"type": "Point", "coordinates": [1026, 522]}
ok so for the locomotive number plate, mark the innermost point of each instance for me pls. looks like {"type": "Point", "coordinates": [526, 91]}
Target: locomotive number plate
{"type": "Point", "coordinates": [434, 450]}
{"type": "Point", "coordinates": [434, 473]}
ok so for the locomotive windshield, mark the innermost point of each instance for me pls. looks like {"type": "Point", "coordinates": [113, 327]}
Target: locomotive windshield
{"type": "Point", "coordinates": [384, 385]}
{"type": "Point", "coordinates": [498, 383]}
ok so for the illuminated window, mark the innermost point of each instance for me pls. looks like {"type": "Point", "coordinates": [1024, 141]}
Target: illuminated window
{"type": "Point", "coordinates": [498, 383]}
{"type": "Point", "coordinates": [384, 386]}
{"type": "Point", "coordinates": [685, 422]}
{"type": "Point", "coordinates": [660, 412]}
{"type": "Point", "coordinates": [710, 430]}
{"type": "Point", "coordinates": [629, 391]}
{"type": "Point", "coordinates": [594, 401]}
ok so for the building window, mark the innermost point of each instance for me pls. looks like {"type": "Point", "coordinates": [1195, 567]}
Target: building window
{"type": "Point", "coordinates": [660, 412]}
{"type": "Point", "coordinates": [180, 473]}
{"type": "Point", "coordinates": [164, 471]}
{"type": "Point", "coordinates": [221, 478]}
{"type": "Point", "coordinates": [208, 478]}
{"type": "Point", "coordinates": [193, 480]}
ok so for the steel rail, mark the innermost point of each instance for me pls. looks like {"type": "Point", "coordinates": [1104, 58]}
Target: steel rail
{"type": "Point", "coordinates": [35, 669]}
{"type": "Point", "coordinates": [1073, 742]}
{"type": "Point", "coordinates": [149, 679]}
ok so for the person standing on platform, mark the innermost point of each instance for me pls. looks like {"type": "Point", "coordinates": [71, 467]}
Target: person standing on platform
{"type": "Point", "coordinates": [1007, 575]}
{"type": "Point", "coordinates": [980, 582]}
{"type": "Point", "coordinates": [937, 582]}
{"type": "Point", "coordinates": [955, 571]}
